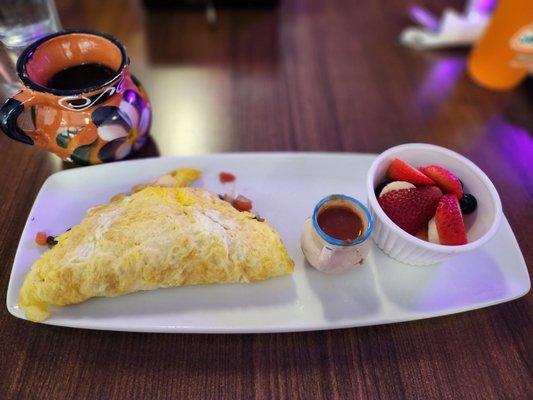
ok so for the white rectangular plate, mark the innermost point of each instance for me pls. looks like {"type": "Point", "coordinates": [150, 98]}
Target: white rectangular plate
{"type": "Point", "coordinates": [285, 188]}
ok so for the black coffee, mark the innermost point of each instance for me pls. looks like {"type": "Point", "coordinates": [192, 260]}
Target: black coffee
{"type": "Point", "coordinates": [81, 77]}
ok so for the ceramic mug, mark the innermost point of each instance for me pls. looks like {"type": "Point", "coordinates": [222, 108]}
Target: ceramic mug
{"type": "Point", "coordinates": [332, 255]}
{"type": "Point", "coordinates": [95, 124]}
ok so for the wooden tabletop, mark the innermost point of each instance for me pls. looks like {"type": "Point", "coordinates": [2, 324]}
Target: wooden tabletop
{"type": "Point", "coordinates": [309, 75]}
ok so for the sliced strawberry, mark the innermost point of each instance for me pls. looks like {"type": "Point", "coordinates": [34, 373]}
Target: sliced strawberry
{"type": "Point", "coordinates": [411, 209]}
{"type": "Point", "coordinates": [242, 203]}
{"type": "Point", "coordinates": [401, 171]}
{"type": "Point", "coordinates": [449, 221]}
{"type": "Point", "coordinates": [226, 177]}
{"type": "Point", "coordinates": [444, 179]}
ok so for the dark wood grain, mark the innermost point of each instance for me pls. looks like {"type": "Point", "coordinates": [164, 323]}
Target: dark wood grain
{"type": "Point", "coordinates": [311, 75]}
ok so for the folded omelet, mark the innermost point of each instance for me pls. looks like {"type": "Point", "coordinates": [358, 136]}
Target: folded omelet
{"type": "Point", "coordinates": [157, 237]}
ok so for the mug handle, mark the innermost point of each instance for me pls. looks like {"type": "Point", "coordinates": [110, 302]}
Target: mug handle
{"type": "Point", "coordinates": [9, 114]}
{"type": "Point", "coordinates": [325, 255]}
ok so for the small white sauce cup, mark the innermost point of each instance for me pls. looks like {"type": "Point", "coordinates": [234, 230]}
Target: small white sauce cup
{"type": "Point", "coordinates": [331, 255]}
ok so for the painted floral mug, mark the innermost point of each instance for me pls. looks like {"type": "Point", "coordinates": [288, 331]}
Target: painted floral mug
{"type": "Point", "coordinates": [87, 125]}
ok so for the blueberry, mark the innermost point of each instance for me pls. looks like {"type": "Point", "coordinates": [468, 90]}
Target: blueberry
{"type": "Point", "coordinates": [468, 203]}
{"type": "Point", "coordinates": [380, 187]}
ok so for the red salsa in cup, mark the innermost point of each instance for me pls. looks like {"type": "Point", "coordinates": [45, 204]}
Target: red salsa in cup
{"type": "Point", "coordinates": [340, 223]}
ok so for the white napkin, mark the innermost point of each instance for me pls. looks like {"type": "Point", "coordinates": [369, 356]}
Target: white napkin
{"type": "Point", "coordinates": [452, 30]}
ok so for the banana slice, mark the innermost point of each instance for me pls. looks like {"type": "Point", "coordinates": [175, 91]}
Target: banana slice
{"type": "Point", "coordinates": [396, 185]}
{"type": "Point", "coordinates": [433, 234]}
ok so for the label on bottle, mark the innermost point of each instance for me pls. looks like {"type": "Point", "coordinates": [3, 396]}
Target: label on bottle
{"type": "Point", "coordinates": [522, 44]}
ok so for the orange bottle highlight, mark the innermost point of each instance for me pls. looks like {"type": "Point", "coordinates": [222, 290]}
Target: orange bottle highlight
{"type": "Point", "coordinates": [492, 62]}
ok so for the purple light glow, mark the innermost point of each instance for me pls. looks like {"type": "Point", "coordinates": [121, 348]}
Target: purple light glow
{"type": "Point", "coordinates": [516, 145]}
{"type": "Point", "coordinates": [424, 18]}
{"type": "Point", "coordinates": [483, 6]}
{"type": "Point", "coordinates": [441, 78]}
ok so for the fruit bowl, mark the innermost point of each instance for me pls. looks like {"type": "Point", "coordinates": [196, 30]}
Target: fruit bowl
{"type": "Point", "coordinates": [481, 225]}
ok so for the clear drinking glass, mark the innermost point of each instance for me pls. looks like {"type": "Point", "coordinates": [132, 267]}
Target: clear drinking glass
{"type": "Point", "coordinates": [24, 21]}
{"type": "Point", "coordinates": [9, 81]}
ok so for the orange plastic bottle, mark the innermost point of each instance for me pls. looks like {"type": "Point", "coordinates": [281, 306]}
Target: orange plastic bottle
{"type": "Point", "coordinates": [491, 62]}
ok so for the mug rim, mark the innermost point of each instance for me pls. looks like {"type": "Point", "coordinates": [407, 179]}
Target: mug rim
{"type": "Point", "coordinates": [28, 52]}
{"type": "Point", "coordinates": [338, 242]}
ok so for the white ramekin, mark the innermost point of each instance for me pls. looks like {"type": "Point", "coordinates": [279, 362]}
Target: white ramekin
{"type": "Point", "coordinates": [481, 225]}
